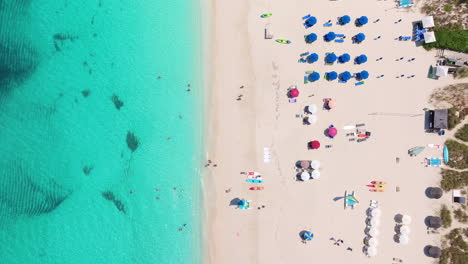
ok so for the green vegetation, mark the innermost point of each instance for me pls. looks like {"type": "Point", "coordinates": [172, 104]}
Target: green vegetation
{"type": "Point", "coordinates": [448, 38]}
{"type": "Point", "coordinates": [446, 216]}
{"type": "Point", "coordinates": [456, 253]}
{"type": "Point", "coordinates": [453, 118]}
{"type": "Point", "coordinates": [462, 133]}
{"type": "Point", "coordinates": [458, 154]}
{"type": "Point", "coordinates": [461, 72]}
{"type": "Point", "coordinates": [460, 215]}
{"type": "Point", "coordinates": [448, 8]}
{"type": "Point", "coordinates": [452, 179]}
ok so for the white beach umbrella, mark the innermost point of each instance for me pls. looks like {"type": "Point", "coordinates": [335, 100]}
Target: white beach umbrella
{"type": "Point", "coordinates": [374, 221]}
{"type": "Point", "coordinates": [315, 174]}
{"type": "Point", "coordinates": [403, 239]}
{"type": "Point", "coordinates": [312, 109]}
{"type": "Point", "coordinates": [371, 251]}
{"type": "Point", "coordinates": [315, 164]}
{"type": "Point", "coordinates": [312, 119]}
{"type": "Point", "coordinates": [372, 242]}
{"type": "Point", "coordinates": [406, 220]}
{"type": "Point", "coordinates": [376, 212]}
{"type": "Point", "coordinates": [404, 230]}
{"type": "Point", "coordinates": [373, 231]}
{"type": "Point", "coordinates": [305, 176]}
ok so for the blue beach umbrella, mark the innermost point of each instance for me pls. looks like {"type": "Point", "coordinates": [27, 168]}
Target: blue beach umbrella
{"type": "Point", "coordinates": [363, 75]}
{"type": "Point", "coordinates": [361, 59]}
{"type": "Point", "coordinates": [332, 75]}
{"type": "Point", "coordinates": [312, 58]}
{"type": "Point", "coordinates": [331, 58]}
{"type": "Point", "coordinates": [307, 236]}
{"type": "Point", "coordinates": [311, 21]}
{"type": "Point", "coordinates": [345, 20]}
{"type": "Point", "coordinates": [360, 37]}
{"type": "Point", "coordinates": [311, 37]}
{"type": "Point", "coordinates": [344, 76]}
{"type": "Point", "coordinates": [315, 76]}
{"type": "Point", "coordinates": [330, 36]}
{"type": "Point", "coordinates": [344, 58]}
{"type": "Point", "coordinates": [363, 20]}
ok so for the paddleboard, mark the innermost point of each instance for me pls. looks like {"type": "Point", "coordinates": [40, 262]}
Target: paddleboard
{"type": "Point", "coordinates": [254, 180]}
{"type": "Point", "coordinates": [266, 15]}
{"type": "Point", "coordinates": [283, 41]}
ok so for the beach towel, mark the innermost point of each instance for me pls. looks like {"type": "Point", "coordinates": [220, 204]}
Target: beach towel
{"type": "Point", "coordinates": [293, 100]}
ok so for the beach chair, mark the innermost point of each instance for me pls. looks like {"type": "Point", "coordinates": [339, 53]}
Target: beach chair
{"type": "Point", "coordinates": [339, 40]}
{"type": "Point", "coordinates": [359, 83]}
{"type": "Point", "coordinates": [360, 125]}
{"type": "Point", "coordinates": [361, 140]}
{"type": "Point", "coordinates": [305, 17]}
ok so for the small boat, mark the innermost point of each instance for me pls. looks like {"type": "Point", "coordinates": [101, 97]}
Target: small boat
{"type": "Point", "coordinates": [254, 180]}
{"type": "Point", "coordinates": [283, 41]}
{"type": "Point", "coordinates": [378, 182]}
{"type": "Point", "coordinates": [257, 188]}
{"type": "Point", "coordinates": [376, 185]}
{"type": "Point", "coordinates": [376, 190]}
{"type": "Point", "coordinates": [266, 15]}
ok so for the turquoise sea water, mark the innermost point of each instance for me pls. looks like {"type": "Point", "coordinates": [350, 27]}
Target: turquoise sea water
{"type": "Point", "coordinates": [84, 121]}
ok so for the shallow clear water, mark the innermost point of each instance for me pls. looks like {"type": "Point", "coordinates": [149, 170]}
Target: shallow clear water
{"type": "Point", "coordinates": [84, 121]}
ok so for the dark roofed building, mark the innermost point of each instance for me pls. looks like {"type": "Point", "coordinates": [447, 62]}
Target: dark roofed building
{"type": "Point", "coordinates": [438, 119]}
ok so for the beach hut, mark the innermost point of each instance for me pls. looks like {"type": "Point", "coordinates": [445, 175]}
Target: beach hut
{"type": "Point", "coordinates": [330, 36]}
{"type": "Point", "coordinates": [315, 144]}
{"type": "Point", "coordinates": [305, 176]}
{"type": "Point", "coordinates": [331, 75]}
{"type": "Point", "coordinates": [344, 20]}
{"type": "Point", "coordinates": [404, 229]}
{"type": "Point", "coordinates": [312, 37]}
{"type": "Point", "coordinates": [427, 22]}
{"type": "Point", "coordinates": [312, 108]}
{"type": "Point", "coordinates": [344, 58]}
{"type": "Point", "coordinates": [345, 76]}
{"type": "Point", "coordinates": [360, 37]}
{"type": "Point", "coordinates": [311, 21]}
{"type": "Point", "coordinates": [362, 21]}
{"type": "Point", "coordinates": [293, 93]}
{"type": "Point", "coordinates": [429, 37]}
{"type": "Point", "coordinates": [371, 251]}
{"type": "Point", "coordinates": [315, 76]}
{"type": "Point", "coordinates": [434, 252]}
{"type": "Point", "coordinates": [312, 58]}
{"type": "Point", "coordinates": [307, 236]}
{"type": "Point", "coordinates": [361, 59]}
{"type": "Point", "coordinates": [315, 164]}
{"type": "Point", "coordinates": [315, 174]}
{"type": "Point", "coordinates": [403, 239]}
{"type": "Point", "coordinates": [435, 222]}
{"type": "Point", "coordinates": [362, 75]}
{"type": "Point", "coordinates": [330, 58]}
{"type": "Point", "coordinates": [406, 220]}
{"type": "Point", "coordinates": [435, 192]}
{"type": "Point", "coordinates": [332, 131]}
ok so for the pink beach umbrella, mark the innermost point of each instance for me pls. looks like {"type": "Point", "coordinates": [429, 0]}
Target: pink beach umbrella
{"type": "Point", "coordinates": [294, 92]}
{"type": "Point", "coordinates": [314, 144]}
{"type": "Point", "coordinates": [332, 131]}
{"type": "Point", "coordinates": [331, 104]}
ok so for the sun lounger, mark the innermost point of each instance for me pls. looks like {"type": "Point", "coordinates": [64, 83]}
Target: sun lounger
{"type": "Point", "coordinates": [374, 204]}
{"type": "Point", "coordinates": [341, 81]}
{"type": "Point", "coordinates": [339, 40]}
{"type": "Point", "coordinates": [352, 139]}
{"type": "Point", "coordinates": [360, 125]}
{"type": "Point", "coordinates": [404, 38]}
{"type": "Point", "coordinates": [434, 162]}
{"type": "Point", "coordinates": [339, 35]}
{"type": "Point", "coordinates": [305, 17]}
{"type": "Point", "coordinates": [328, 24]}
{"type": "Point", "coordinates": [361, 139]}
{"type": "Point", "coordinates": [302, 60]}
{"type": "Point", "coordinates": [359, 83]}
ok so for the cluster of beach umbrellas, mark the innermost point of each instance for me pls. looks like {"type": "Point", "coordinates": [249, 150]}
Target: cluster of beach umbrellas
{"type": "Point", "coordinates": [373, 221]}
{"type": "Point", "coordinates": [331, 58]}
{"type": "Point", "coordinates": [312, 118]}
{"type": "Point", "coordinates": [404, 230]}
{"type": "Point", "coordinates": [359, 21]}
{"type": "Point", "coordinates": [307, 174]}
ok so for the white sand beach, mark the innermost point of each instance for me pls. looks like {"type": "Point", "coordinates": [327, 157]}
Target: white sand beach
{"type": "Point", "coordinates": [239, 130]}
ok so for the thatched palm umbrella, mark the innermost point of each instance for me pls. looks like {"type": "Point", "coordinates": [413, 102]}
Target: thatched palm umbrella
{"type": "Point", "coordinates": [435, 252]}
{"type": "Point", "coordinates": [436, 192]}
{"type": "Point", "coordinates": [435, 222]}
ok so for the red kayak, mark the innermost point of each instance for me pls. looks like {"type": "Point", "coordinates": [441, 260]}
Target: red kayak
{"type": "Point", "coordinates": [376, 190]}
{"type": "Point", "coordinates": [378, 182]}
{"type": "Point", "coordinates": [257, 188]}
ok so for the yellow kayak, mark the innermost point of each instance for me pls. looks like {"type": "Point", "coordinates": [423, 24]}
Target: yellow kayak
{"type": "Point", "coordinates": [266, 15]}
